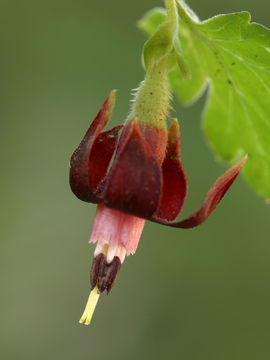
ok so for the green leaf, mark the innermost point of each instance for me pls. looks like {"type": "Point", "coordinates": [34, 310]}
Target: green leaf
{"type": "Point", "coordinates": [230, 56]}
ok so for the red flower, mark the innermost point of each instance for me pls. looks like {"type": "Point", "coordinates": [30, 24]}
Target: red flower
{"type": "Point", "coordinates": [134, 176]}
{"type": "Point", "coordinates": [137, 183]}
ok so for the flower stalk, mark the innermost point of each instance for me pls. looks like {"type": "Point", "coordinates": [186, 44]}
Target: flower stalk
{"type": "Point", "coordinates": [152, 100]}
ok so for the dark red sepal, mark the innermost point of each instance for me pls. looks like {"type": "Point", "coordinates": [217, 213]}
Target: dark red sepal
{"type": "Point", "coordinates": [134, 182]}
{"type": "Point", "coordinates": [214, 196]}
{"type": "Point", "coordinates": [100, 157]}
{"type": "Point", "coordinates": [90, 161]}
{"type": "Point", "coordinates": [174, 189]}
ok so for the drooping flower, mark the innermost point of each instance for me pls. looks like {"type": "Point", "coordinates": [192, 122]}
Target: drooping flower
{"type": "Point", "coordinates": [146, 180]}
{"type": "Point", "coordinates": [133, 172]}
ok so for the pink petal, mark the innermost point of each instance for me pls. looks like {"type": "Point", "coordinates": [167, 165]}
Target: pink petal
{"type": "Point", "coordinates": [116, 229]}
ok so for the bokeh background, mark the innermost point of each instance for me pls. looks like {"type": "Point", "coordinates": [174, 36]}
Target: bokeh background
{"type": "Point", "coordinates": [187, 294]}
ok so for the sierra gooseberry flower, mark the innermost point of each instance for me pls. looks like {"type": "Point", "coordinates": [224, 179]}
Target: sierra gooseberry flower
{"type": "Point", "coordinates": [133, 173]}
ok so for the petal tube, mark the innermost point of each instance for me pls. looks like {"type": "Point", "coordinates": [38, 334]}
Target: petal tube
{"type": "Point", "coordinates": [90, 161]}
{"type": "Point", "coordinates": [174, 188]}
{"type": "Point", "coordinates": [117, 230]}
{"type": "Point", "coordinates": [214, 196]}
{"type": "Point", "coordinates": [134, 181]}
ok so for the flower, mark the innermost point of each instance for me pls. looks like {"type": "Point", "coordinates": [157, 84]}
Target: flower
{"type": "Point", "coordinates": [133, 172]}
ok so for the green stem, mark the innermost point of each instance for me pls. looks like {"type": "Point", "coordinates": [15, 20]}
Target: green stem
{"type": "Point", "coordinates": [172, 11]}
{"type": "Point", "coordinates": [182, 11]}
{"type": "Point", "coordinates": [152, 100]}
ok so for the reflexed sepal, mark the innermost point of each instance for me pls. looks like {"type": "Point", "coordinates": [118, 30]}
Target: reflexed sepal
{"type": "Point", "coordinates": [174, 187]}
{"type": "Point", "coordinates": [90, 161]}
{"type": "Point", "coordinates": [214, 196]}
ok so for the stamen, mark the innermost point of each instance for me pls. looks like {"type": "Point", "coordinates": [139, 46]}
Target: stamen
{"type": "Point", "coordinates": [121, 253]}
{"type": "Point", "coordinates": [112, 249]}
{"type": "Point", "coordinates": [90, 306]}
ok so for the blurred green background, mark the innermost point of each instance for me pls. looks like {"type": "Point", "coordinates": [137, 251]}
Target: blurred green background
{"type": "Point", "coordinates": [187, 294]}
